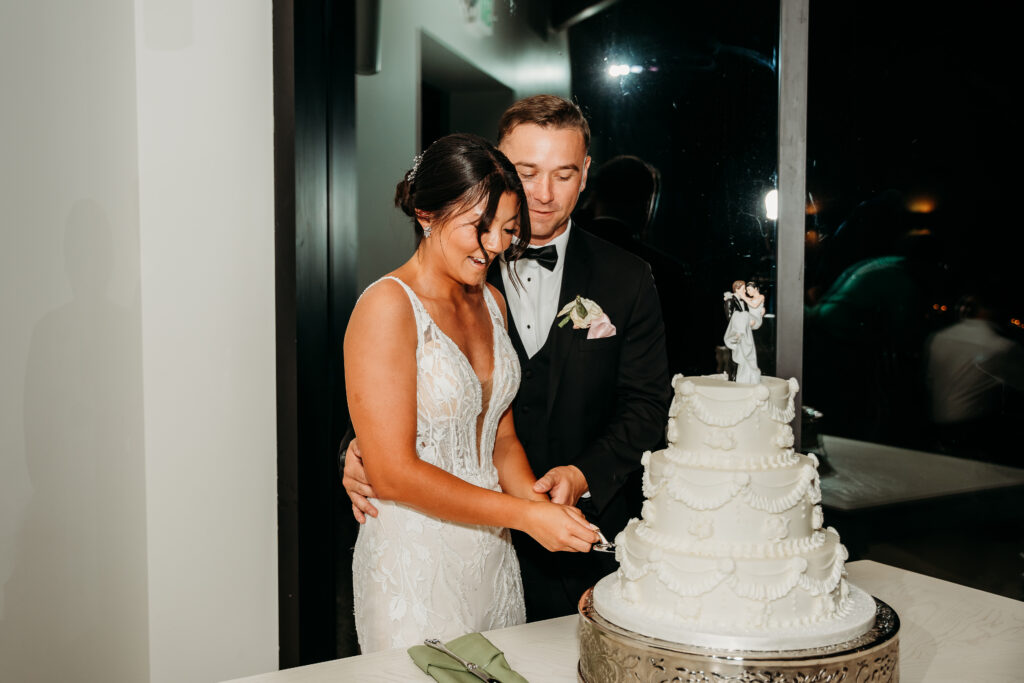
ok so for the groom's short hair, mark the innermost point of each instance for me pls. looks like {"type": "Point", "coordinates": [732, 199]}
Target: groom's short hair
{"type": "Point", "coordinates": [738, 284]}
{"type": "Point", "coordinates": [546, 111]}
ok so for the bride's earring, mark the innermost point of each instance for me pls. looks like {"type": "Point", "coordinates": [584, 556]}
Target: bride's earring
{"type": "Point", "coordinates": [426, 231]}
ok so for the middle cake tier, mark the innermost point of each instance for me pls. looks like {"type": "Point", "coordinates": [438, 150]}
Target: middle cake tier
{"type": "Point", "coordinates": [732, 504]}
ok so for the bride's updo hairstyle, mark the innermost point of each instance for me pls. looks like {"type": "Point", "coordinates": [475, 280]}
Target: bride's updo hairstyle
{"type": "Point", "coordinates": [456, 173]}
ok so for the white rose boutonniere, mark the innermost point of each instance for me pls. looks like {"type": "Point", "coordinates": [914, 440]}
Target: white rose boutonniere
{"type": "Point", "coordinates": [585, 314]}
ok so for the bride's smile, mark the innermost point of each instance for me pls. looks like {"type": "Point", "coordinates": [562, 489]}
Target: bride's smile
{"type": "Point", "coordinates": [464, 250]}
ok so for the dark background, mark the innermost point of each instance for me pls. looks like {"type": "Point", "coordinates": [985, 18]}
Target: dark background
{"type": "Point", "coordinates": [919, 99]}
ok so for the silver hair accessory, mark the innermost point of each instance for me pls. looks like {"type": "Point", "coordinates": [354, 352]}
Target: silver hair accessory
{"type": "Point", "coordinates": [411, 175]}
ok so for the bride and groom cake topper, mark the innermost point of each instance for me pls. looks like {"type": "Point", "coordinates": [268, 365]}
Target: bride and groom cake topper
{"type": "Point", "coordinates": [744, 309]}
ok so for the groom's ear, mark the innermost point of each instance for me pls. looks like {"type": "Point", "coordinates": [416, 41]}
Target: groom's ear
{"type": "Point", "coordinates": [586, 173]}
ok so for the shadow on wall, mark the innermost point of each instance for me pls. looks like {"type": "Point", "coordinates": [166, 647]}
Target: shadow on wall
{"type": "Point", "coordinates": [73, 570]}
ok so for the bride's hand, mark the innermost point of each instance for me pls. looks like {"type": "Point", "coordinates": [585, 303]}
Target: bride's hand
{"type": "Point", "coordinates": [560, 527]}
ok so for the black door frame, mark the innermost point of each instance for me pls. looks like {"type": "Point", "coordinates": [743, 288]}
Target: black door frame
{"type": "Point", "coordinates": [315, 251]}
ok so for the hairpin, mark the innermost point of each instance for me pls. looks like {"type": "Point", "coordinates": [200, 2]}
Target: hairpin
{"type": "Point", "coordinates": [411, 175]}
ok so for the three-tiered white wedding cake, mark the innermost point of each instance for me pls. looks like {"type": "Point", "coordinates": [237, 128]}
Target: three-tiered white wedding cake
{"type": "Point", "coordinates": [731, 552]}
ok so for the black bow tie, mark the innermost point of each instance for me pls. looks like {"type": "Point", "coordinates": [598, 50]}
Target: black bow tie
{"type": "Point", "coordinates": [545, 256]}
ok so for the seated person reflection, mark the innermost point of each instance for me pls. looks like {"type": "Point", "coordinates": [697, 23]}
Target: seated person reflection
{"type": "Point", "coordinates": [975, 383]}
{"type": "Point", "coordinates": [868, 329]}
{"type": "Point", "coordinates": [620, 206]}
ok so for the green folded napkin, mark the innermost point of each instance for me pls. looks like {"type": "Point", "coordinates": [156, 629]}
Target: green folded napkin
{"type": "Point", "coordinates": [472, 647]}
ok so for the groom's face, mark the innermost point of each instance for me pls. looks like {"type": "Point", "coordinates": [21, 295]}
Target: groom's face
{"type": "Point", "coordinates": [553, 164]}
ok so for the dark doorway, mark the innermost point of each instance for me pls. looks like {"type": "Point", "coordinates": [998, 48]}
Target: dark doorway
{"type": "Point", "coordinates": [314, 167]}
{"type": "Point", "coordinates": [455, 96]}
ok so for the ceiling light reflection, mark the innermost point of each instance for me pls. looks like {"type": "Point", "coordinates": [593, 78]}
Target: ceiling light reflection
{"type": "Point", "coordinates": [771, 204]}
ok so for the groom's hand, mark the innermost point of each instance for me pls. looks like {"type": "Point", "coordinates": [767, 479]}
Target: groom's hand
{"type": "Point", "coordinates": [564, 484]}
{"type": "Point", "coordinates": [356, 485]}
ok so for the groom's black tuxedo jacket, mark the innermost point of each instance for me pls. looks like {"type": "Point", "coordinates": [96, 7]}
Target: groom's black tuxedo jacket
{"type": "Point", "coordinates": [733, 304]}
{"type": "Point", "coordinates": [594, 403]}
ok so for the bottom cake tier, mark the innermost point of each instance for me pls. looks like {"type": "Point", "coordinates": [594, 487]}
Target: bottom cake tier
{"type": "Point", "coordinates": [855, 618]}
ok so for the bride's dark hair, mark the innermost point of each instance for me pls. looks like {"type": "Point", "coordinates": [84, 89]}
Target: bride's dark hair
{"type": "Point", "coordinates": [458, 172]}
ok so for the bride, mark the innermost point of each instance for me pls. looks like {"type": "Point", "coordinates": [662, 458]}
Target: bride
{"type": "Point", "coordinates": [755, 302]}
{"type": "Point", "coordinates": [430, 373]}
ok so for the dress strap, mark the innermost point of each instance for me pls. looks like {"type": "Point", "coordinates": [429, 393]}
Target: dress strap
{"type": "Point", "coordinates": [492, 306]}
{"type": "Point", "coordinates": [419, 310]}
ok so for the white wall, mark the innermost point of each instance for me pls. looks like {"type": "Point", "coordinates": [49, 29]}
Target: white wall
{"type": "Point", "coordinates": [137, 403]}
{"type": "Point", "coordinates": [387, 104]}
{"type": "Point", "coordinates": [205, 103]}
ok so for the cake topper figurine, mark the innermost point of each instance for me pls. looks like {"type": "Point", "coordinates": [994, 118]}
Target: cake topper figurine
{"type": "Point", "coordinates": [744, 308]}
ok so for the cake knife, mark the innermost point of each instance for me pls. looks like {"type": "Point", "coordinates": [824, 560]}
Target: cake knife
{"type": "Point", "coordinates": [472, 668]}
{"type": "Point", "coordinates": [604, 546]}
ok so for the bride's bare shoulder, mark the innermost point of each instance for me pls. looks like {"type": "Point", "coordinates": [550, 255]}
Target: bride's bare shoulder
{"type": "Point", "coordinates": [384, 311]}
{"type": "Point", "coordinates": [386, 291]}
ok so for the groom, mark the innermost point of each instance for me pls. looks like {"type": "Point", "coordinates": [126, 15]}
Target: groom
{"type": "Point", "coordinates": [591, 401]}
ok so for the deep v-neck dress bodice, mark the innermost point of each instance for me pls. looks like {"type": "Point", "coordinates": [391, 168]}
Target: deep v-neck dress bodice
{"type": "Point", "coordinates": [416, 576]}
{"type": "Point", "coordinates": [450, 396]}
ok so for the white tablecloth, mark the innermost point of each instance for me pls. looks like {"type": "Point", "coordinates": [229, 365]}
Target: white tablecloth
{"type": "Point", "coordinates": [948, 633]}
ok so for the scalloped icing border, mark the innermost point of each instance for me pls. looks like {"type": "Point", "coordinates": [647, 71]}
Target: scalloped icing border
{"type": "Point", "coordinates": [726, 461]}
{"type": "Point", "coordinates": [757, 551]}
{"type": "Point", "coordinates": [675, 486]}
{"type": "Point", "coordinates": [687, 395]}
{"type": "Point", "coordinates": [728, 573]}
{"type": "Point", "coordinates": [853, 616]}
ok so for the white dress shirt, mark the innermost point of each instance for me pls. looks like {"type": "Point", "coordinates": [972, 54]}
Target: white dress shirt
{"type": "Point", "coordinates": [533, 306]}
{"type": "Point", "coordinates": [970, 369]}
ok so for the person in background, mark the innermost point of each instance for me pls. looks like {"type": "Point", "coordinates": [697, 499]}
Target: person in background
{"type": "Point", "coordinates": [620, 206]}
{"type": "Point", "coordinates": [975, 378]}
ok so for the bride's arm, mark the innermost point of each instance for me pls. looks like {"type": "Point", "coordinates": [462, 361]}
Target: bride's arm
{"type": "Point", "coordinates": [514, 472]}
{"type": "Point", "coordinates": [380, 374]}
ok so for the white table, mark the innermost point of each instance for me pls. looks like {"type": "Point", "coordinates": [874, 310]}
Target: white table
{"type": "Point", "coordinates": [948, 633]}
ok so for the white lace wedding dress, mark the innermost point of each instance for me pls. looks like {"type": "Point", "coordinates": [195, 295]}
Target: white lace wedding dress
{"type": "Point", "coordinates": [416, 576]}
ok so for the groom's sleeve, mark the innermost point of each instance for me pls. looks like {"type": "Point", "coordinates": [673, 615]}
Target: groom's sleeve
{"type": "Point", "coordinates": [349, 436]}
{"type": "Point", "coordinates": [642, 395]}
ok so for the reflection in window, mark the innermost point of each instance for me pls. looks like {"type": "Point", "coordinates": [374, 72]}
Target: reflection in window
{"type": "Point", "coordinates": [695, 99]}
{"type": "Point", "coordinates": [912, 332]}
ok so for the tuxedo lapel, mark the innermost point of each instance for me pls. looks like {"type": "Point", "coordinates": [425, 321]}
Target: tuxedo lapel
{"type": "Point", "coordinates": [575, 276]}
{"type": "Point", "coordinates": [494, 277]}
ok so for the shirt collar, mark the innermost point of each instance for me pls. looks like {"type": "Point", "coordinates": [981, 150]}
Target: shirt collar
{"type": "Point", "coordinates": [559, 243]}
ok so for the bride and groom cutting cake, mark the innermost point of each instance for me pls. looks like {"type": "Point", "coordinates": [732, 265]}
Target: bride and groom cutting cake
{"type": "Point", "coordinates": [468, 379]}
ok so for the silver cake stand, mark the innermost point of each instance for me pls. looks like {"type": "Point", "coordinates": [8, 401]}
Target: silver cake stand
{"type": "Point", "coordinates": [610, 654]}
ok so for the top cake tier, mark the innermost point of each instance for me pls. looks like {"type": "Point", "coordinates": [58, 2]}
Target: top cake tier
{"type": "Point", "coordinates": [711, 414]}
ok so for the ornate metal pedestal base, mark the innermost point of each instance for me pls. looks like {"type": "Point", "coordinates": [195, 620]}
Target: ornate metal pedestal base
{"type": "Point", "coordinates": [610, 654]}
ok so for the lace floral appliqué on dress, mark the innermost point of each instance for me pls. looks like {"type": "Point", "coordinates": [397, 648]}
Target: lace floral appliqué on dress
{"type": "Point", "coordinates": [416, 576]}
